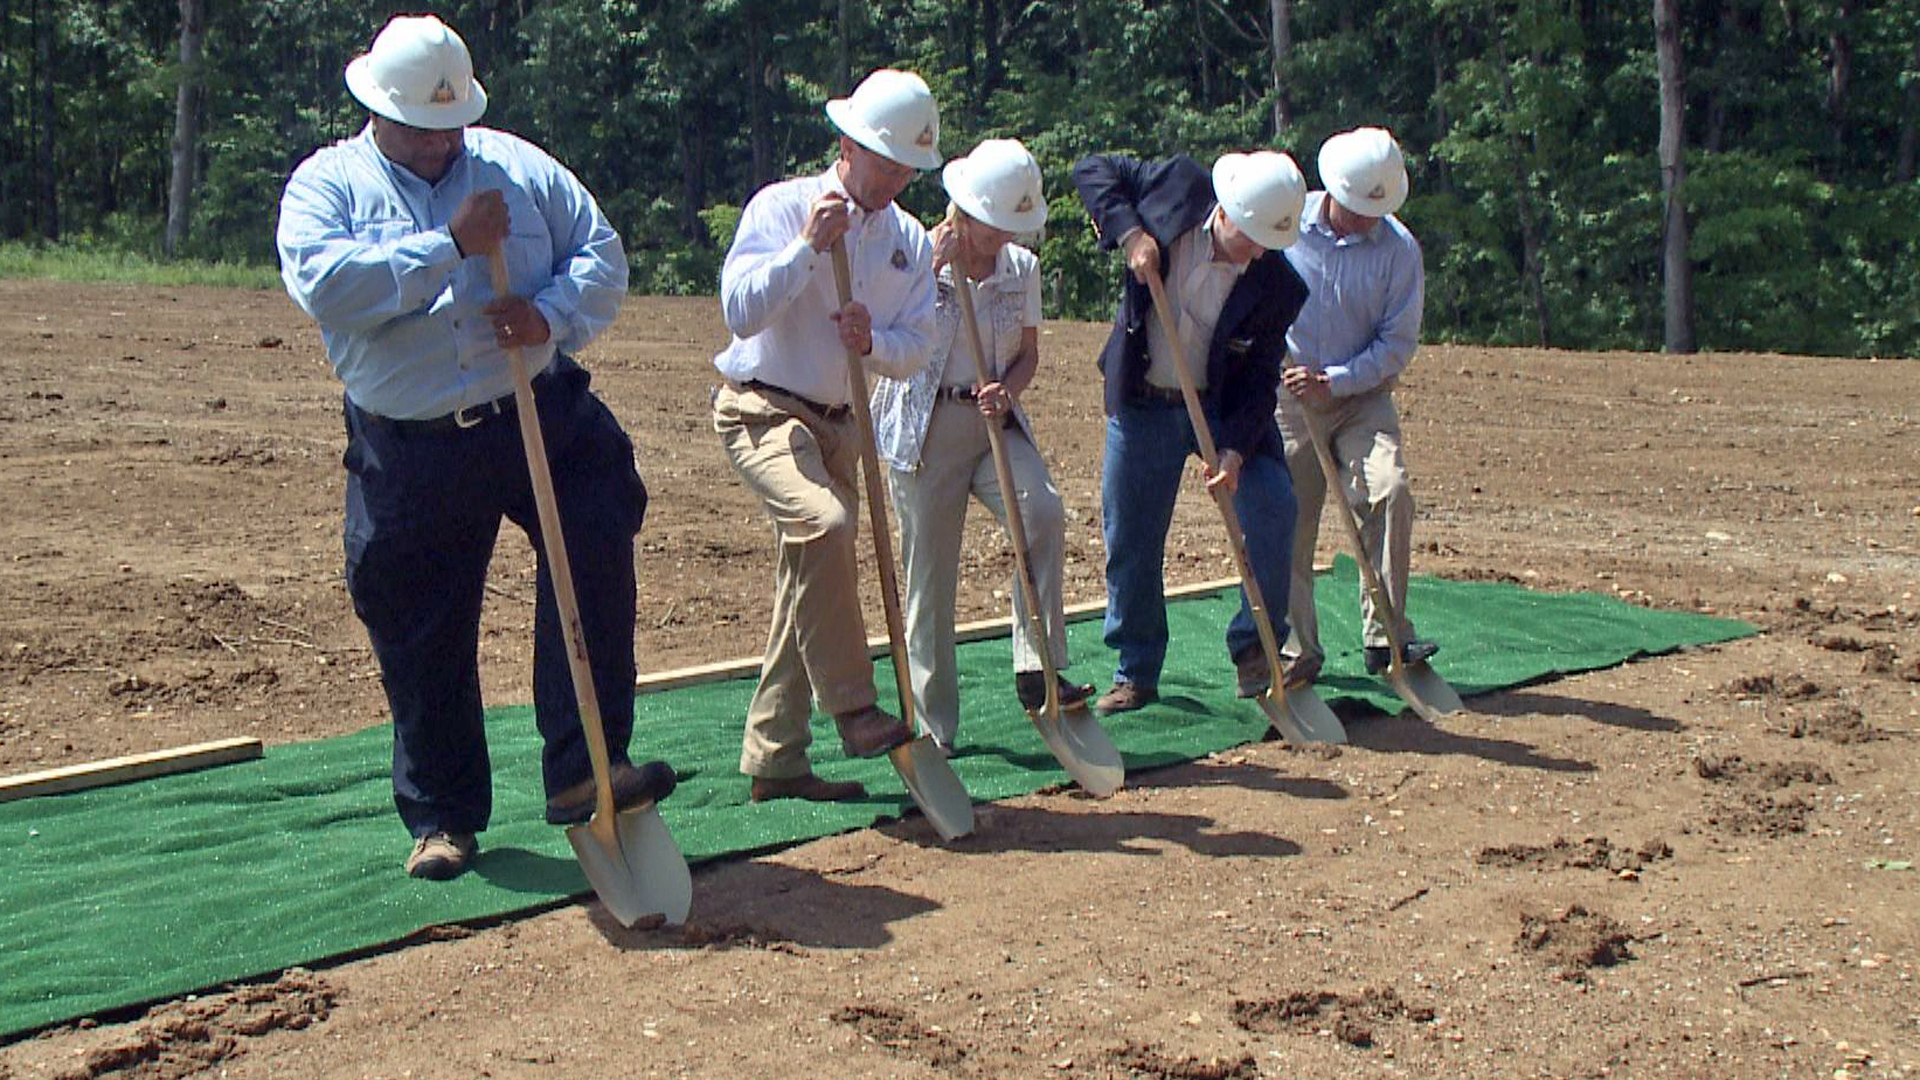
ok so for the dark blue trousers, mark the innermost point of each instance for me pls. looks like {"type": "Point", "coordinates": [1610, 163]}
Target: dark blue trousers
{"type": "Point", "coordinates": [1147, 449]}
{"type": "Point", "coordinates": [423, 509]}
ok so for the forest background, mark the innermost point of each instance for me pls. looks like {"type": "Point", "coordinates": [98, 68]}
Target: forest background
{"type": "Point", "coordinates": [1765, 201]}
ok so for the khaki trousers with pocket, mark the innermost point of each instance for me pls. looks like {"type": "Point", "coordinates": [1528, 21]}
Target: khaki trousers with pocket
{"type": "Point", "coordinates": [1364, 434]}
{"type": "Point", "coordinates": [956, 462]}
{"type": "Point", "coordinates": [804, 467]}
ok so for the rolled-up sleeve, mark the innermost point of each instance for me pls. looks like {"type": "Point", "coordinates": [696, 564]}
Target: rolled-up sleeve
{"type": "Point", "coordinates": [766, 268]}
{"type": "Point", "coordinates": [590, 265]}
{"type": "Point", "coordinates": [354, 283]}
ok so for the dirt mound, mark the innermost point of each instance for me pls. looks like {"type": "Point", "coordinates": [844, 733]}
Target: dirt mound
{"type": "Point", "coordinates": [1773, 775]}
{"type": "Point", "coordinates": [1574, 941]}
{"type": "Point", "coordinates": [1841, 722]}
{"type": "Point", "coordinates": [1592, 853]}
{"type": "Point", "coordinates": [185, 1038]}
{"type": "Point", "coordinates": [1147, 1060]}
{"type": "Point", "coordinates": [903, 1035]}
{"type": "Point", "coordinates": [1349, 1018]}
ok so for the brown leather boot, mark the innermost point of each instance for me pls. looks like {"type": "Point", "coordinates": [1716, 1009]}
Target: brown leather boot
{"type": "Point", "coordinates": [808, 787]}
{"type": "Point", "coordinates": [870, 732]}
{"type": "Point", "coordinates": [1125, 697]}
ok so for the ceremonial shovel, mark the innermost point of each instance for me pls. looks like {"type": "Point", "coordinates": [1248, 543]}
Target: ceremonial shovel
{"type": "Point", "coordinates": [1297, 713]}
{"type": "Point", "coordinates": [930, 779]}
{"type": "Point", "coordinates": [1076, 739]}
{"type": "Point", "coordinates": [629, 857]}
{"type": "Point", "coordinates": [1417, 684]}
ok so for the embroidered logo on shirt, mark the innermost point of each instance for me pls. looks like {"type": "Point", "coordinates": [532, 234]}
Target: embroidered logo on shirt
{"type": "Point", "coordinates": [442, 94]}
{"type": "Point", "coordinates": [899, 259]}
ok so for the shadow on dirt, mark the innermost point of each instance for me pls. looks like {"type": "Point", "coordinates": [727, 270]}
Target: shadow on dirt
{"type": "Point", "coordinates": [1029, 828]}
{"type": "Point", "coordinates": [1514, 703]}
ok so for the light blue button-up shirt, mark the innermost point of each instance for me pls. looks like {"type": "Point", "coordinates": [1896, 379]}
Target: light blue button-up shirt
{"type": "Point", "coordinates": [1366, 293]}
{"type": "Point", "coordinates": [365, 249]}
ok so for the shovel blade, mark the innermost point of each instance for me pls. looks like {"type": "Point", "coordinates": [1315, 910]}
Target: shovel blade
{"type": "Point", "coordinates": [935, 787]}
{"type": "Point", "coordinates": [1083, 749]}
{"type": "Point", "coordinates": [634, 866]}
{"type": "Point", "coordinates": [1299, 716]}
{"type": "Point", "coordinates": [1425, 692]}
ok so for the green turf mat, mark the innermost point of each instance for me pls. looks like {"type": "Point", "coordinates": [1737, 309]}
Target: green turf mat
{"type": "Point", "coordinates": [128, 894]}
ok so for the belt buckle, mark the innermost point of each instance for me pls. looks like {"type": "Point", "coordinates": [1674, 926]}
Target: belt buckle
{"type": "Point", "coordinates": [467, 416]}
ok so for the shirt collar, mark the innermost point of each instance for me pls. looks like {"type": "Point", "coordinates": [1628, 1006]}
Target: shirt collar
{"type": "Point", "coordinates": [1321, 220]}
{"type": "Point", "coordinates": [1215, 258]}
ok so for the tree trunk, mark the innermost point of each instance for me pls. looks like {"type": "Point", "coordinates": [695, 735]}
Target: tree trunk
{"type": "Point", "coordinates": [186, 125]}
{"type": "Point", "coordinates": [1839, 80]}
{"type": "Point", "coordinates": [843, 49]}
{"type": "Point", "coordinates": [1440, 123]}
{"type": "Point", "coordinates": [993, 67]}
{"type": "Point", "coordinates": [46, 162]}
{"type": "Point", "coordinates": [759, 138]}
{"type": "Point", "coordinates": [1530, 240]}
{"type": "Point", "coordinates": [1280, 13]}
{"type": "Point", "coordinates": [1910, 120]}
{"type": "Point", "coordinates": [1677, 276]}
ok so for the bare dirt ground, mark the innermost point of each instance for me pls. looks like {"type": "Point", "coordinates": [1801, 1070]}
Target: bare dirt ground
{"type": "Point", "coordinates": [1695, 866]}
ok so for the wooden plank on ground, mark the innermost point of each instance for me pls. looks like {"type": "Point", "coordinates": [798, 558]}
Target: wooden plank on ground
{"type": "Point", "coordinates": [119, 770]}
{"type": "Point", "coordinates": [722, 670]}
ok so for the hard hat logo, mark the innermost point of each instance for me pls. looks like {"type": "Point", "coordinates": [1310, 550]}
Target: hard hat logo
{"type": "Point", "coordinates": [442, 94]}
{"type": "Point", "coordinates": [1284, 225]}
{"type": "Point", "coordinates": [1379, 192]}
{"type": "Point", "coordinates": [1024, 206]}
{"type": "Point", "coordinates": [925, 139]}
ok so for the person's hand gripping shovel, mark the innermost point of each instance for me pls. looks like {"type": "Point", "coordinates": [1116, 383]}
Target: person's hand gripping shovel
{"type": "Point", "coordinates": [1297, 713]}
{"type": "Point", "coordinates": [629, 857]}
{"type": "Point", "coordinates": [1424, 691]}
{"type": "Point", "coordinates": [930, 779]}
{"type": "Point", "coordinates": [1074, 737]}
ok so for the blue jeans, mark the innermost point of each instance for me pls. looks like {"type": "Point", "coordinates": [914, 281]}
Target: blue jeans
{"type": "Point", "coordinates": [1146, 455]}
{"type": "Point", "coordinates": [423, 509]}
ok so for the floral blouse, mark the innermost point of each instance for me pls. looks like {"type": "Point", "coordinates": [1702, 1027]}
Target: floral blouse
{"type": "Point", "coordinates": [902, 408]}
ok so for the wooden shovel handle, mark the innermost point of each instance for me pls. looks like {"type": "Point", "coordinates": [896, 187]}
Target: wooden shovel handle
{"type": "Point", "coordinates": [1010, 498]}
{"type": "Point", "coordinates": [876, 505]}
{"type": "Point", "coordinates": [559, 568]}
{"type": "Point", "coordinates": [1223, 499]}
{"type": "Point", "coordinates": [1376, 588]}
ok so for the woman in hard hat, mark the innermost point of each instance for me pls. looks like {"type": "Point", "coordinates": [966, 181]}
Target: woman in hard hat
{"type": "Point", "coordinates": [932, 431]}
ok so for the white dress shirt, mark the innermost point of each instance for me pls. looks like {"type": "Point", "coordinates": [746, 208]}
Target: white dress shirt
{"type": "Point", "coordinates": [778, 294]}
{"type": "Point", "coordinates": [1198, 282]}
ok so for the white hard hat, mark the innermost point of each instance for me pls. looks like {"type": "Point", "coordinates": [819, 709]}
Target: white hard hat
{"type": "Point", "coordinates": [1364, 171]}
{"type": "Point", "coordinates": [419, 73]}
{"type": "Point", "coordinates": [999, 184]}
{"type": "Point", "coordinates": [1262, 193]}
{"type": "Point", "coordinates": [891, 113]}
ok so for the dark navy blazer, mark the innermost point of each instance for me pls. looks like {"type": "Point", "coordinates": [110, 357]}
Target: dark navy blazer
{"type": "Point", "coordinates": [1168, 199]}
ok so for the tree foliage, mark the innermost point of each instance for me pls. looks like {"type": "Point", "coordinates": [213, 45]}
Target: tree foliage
{"type": "Point", "coordinates": [1530, 125]}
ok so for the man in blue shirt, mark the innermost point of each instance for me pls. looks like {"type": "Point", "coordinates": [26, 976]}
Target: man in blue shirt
{"type": "Point", "coordinates": [1358, 330]}
{"type": "Point", "coordinates": [384, 239]}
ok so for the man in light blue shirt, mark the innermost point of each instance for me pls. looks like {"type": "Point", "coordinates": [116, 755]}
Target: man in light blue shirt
{"type": "Point", "coordinates": [1354, 337]}
{"type": "Point", "coordinates": [384, 239]}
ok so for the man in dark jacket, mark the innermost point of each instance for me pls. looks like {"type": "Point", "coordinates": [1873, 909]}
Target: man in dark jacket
{"type": "Point", "coordinates": [1215, 240]}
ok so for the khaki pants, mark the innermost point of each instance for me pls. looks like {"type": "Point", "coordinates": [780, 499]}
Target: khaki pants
{"type": "Point", "coordinates": [956, 461]}
{"type": "Point", "coordinates": [1364, 433]}
{"type": "Point", "coordinates": [804, 469]}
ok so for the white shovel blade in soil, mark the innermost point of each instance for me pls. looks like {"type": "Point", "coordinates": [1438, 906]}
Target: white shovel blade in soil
{"type": "Point", "coordinates": [935, 787]}
{"type": "Point", "coordinates": [640, 872]}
